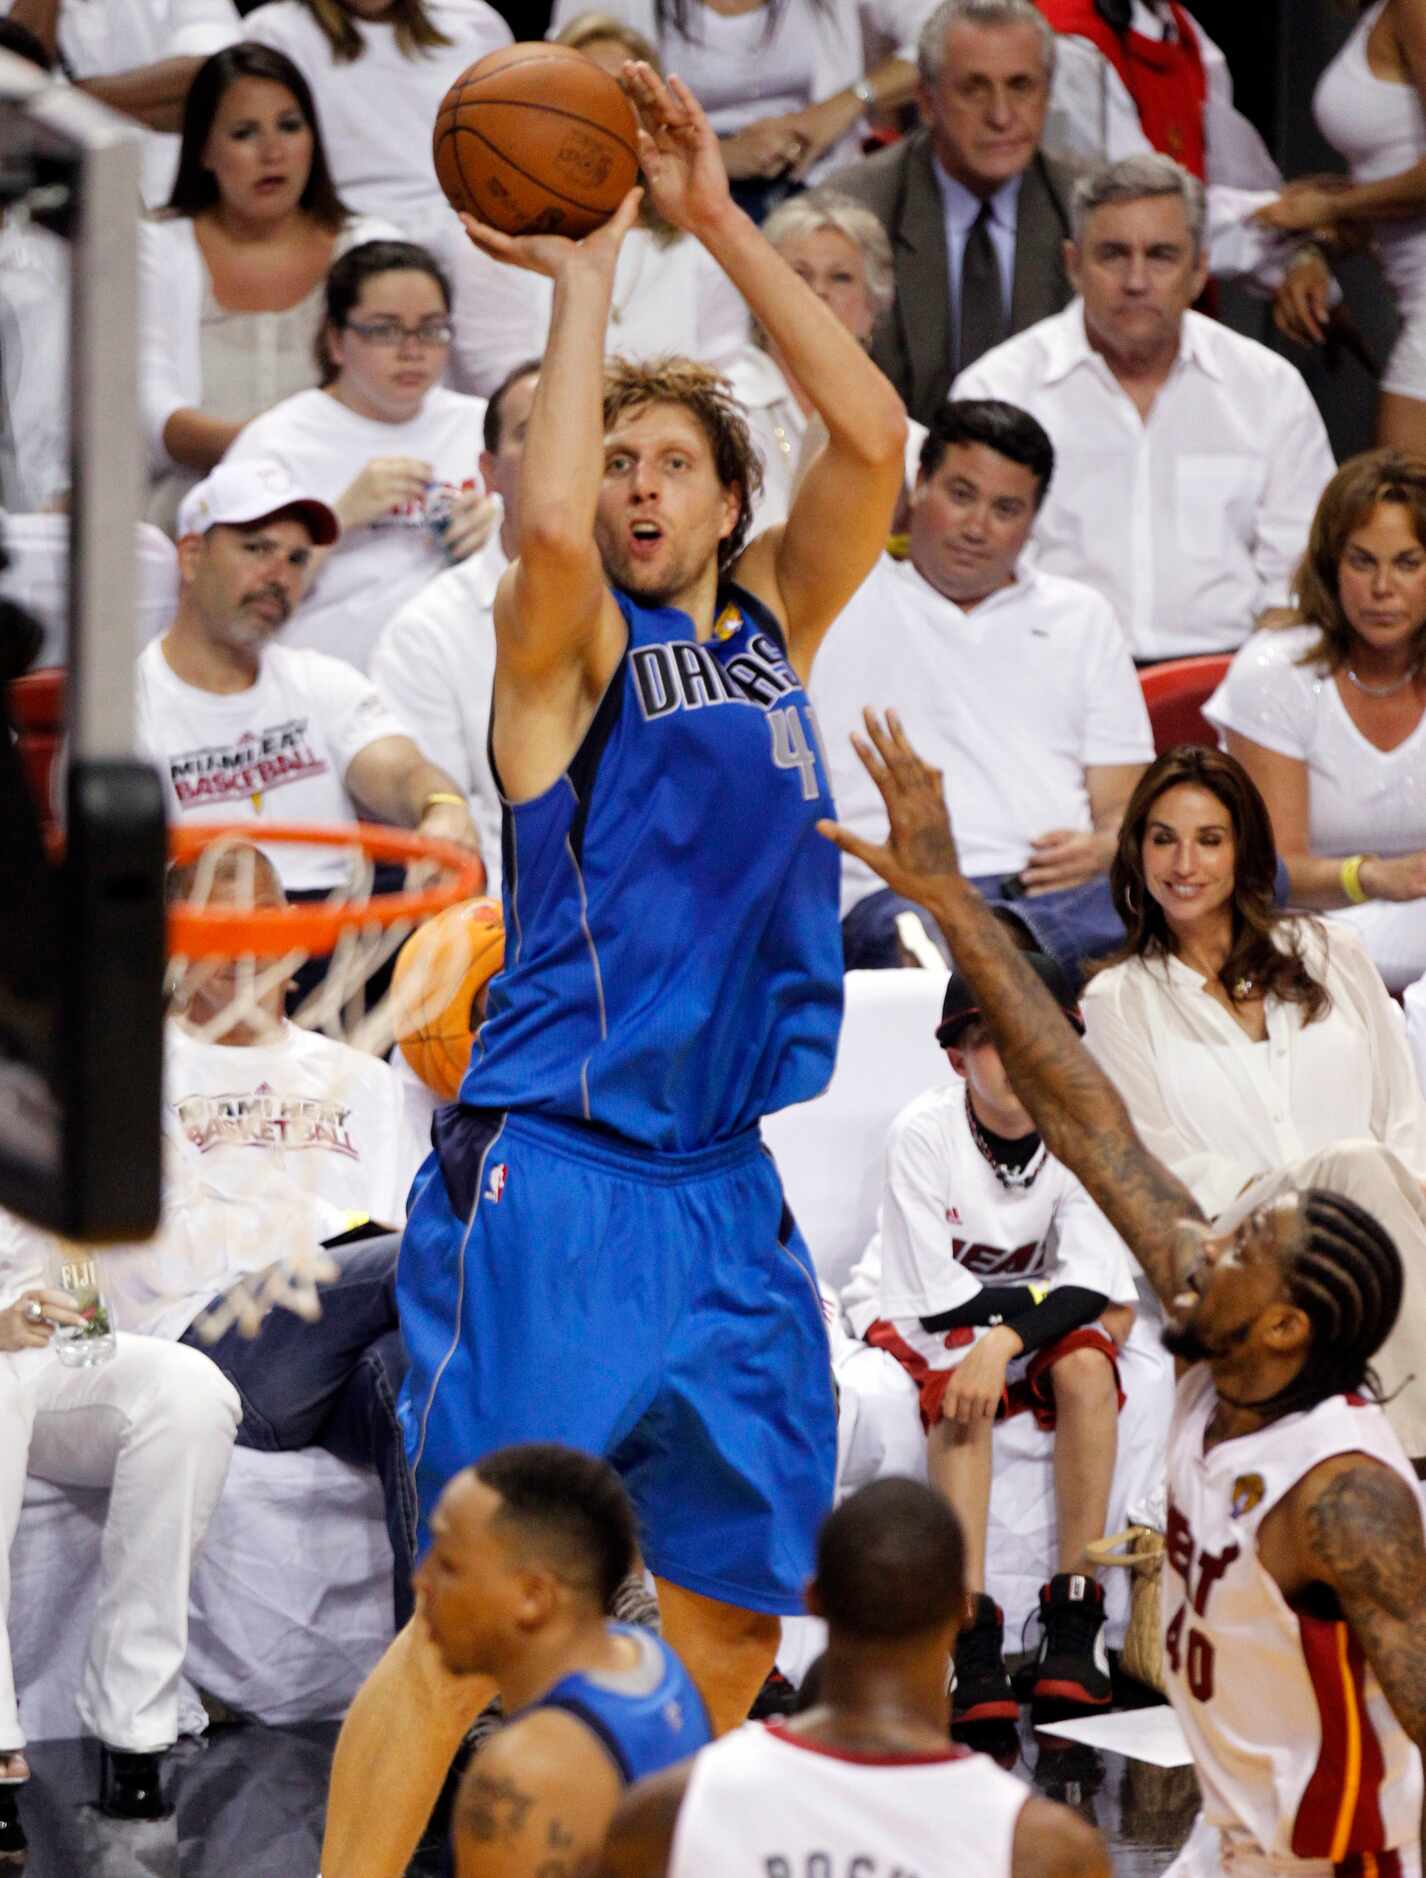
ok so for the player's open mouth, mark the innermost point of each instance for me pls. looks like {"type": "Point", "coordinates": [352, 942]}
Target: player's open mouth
{"type": "Point", "coordinates": [644, 537]}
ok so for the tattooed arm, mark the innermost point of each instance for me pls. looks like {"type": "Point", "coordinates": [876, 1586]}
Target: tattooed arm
{"type": "Point", "coordinates": [1357, 1527]}
{"type": "Point", "coordinates": [1076, 1108]}
{"type": "Point", "coordinates": [535, 1802]}
{"type": "Point", "coordinates": [640, 1840]}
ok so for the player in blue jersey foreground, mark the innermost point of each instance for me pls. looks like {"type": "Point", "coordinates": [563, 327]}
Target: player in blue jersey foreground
{"type": "Point", "coordinates": [598, 1251]}
{"type": "Point", "coordinates": [527, 1550]}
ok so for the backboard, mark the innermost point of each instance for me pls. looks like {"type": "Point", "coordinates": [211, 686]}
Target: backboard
{"type": "Point", "coordinates": [81, 930]}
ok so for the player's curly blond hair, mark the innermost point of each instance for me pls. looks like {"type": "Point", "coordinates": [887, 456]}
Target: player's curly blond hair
{"type": "Point", "coordinates": [629, 383]}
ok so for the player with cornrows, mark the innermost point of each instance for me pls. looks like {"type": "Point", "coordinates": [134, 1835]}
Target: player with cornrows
{"type": "Point", "coordinates": [1294, 1598]}
{"type": "Point", "coordinates": [598, 1250]}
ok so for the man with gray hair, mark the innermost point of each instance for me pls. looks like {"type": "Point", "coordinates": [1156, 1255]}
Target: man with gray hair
{"type": "Point", "coordinates": [976, 215]}
{"type": "Point", "coordinates": [1190, 458]}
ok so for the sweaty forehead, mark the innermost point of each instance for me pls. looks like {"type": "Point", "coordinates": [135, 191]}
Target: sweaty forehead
{"type": "Point", "coordinates": [1274, 1230]}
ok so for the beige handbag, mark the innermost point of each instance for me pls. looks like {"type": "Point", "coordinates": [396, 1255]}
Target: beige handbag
{"type": "Point", "coordinates": [1141, 1551]}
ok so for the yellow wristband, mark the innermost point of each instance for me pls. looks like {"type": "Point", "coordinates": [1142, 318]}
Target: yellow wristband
{"type": "Point", "coordinates": [443, 795]}
{"type": "Point", "coordinates": [1351, 878]}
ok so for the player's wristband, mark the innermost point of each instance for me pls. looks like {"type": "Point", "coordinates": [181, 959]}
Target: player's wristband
{"type": "Point", "coordinates": [1351, 879]}
{"type": "Point", "coordinates": [443, 795]}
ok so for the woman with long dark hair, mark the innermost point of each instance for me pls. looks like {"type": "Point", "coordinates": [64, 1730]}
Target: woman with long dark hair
{"type": "Point", "coordinates": [1257, 1051]}
{"type": "Point", "coordinates": [1325, 708]}
{"type": "Point", "coordinates": [378, 70]}
{"type": "Point", "coordinates": [233, 268]}
{"type": "Point", "coordinates": [1242, 1037]}
{"type": "Point", "coordinates": [785, 83]}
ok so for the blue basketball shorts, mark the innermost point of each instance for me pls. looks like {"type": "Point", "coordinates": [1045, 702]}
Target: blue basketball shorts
{"type": "Point", "coordinates": [556, 1284]}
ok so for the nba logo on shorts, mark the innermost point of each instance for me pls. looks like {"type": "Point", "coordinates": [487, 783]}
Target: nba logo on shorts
{"type": "Point", "coordinates": [495, 1184]}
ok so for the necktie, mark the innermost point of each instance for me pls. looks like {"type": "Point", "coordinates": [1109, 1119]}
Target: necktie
{"type": "Point", "coordinates": [982, 309]}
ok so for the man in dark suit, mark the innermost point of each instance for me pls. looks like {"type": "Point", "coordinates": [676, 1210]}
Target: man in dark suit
{"type": "Point", "coordinates": [977, 217]}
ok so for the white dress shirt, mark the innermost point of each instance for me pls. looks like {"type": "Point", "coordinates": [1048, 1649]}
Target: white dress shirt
{"type": "Point", "coordinates": [1220, 1109]}
{"type": "Point", "coordinates": [1190, 522]}
{"type": "Point", "coordinates": [1014, 700]}
{"type": "Point", "coordinates": [434, 664]}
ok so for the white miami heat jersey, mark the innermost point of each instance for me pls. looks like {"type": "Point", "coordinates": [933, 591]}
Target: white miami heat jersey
{"type": "Point", "coordinates": [766, 1803]}
{"type": "Point", "coordinates": [1295, 1744]}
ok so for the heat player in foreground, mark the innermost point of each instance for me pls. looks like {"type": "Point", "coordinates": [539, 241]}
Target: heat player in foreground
{"type": "Point", "coordinates": [598, 1250]}
{"type": "Point", "coordinates": [865, 1781]}
{"type": "Point", "coordinates": [1294, 1597]}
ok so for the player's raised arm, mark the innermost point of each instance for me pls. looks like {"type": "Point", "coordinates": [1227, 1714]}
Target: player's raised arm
{"type": "Point", "coordinates": [553, 613]}
{"type": "Point", "coordinates": [808, 569]}
{"type": "Point", "coordinates": [1076, 1108]}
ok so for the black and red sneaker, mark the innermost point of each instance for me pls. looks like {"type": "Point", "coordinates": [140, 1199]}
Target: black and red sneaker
{"type": "Point", "coordinates": [1072, 1671]}
{"type": "Point", "coordinates": [982, 1692]}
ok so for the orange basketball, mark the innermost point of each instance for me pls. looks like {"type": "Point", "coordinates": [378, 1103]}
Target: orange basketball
{"type": "Point", "coordinates": [439, 973]}
{"type": "Point", "coordinates": [536, 139]}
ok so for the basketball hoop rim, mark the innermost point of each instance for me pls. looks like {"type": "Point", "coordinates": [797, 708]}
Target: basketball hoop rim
{"type": "Point", "coordinates": [314, 926]}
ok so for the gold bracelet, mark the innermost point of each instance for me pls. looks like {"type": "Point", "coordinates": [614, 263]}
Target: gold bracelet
{"type": "Point", "coordinates": [1351, 878]}
{"type": "Point", "coordinates": [443, 795]}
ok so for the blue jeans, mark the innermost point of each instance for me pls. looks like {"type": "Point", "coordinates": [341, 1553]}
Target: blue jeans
{"type": "Point", "coordinates": [333, 1385]}
{"type": "Point", "coordinates": [1074, 925]}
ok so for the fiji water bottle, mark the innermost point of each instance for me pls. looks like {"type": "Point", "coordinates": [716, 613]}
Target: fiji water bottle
{"type": "Point", "coordinates": [75, 1269]}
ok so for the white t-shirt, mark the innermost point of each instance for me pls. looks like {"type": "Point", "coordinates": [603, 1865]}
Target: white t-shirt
{"type": "Point", "coordinates": [34, 357]}
{"type": "Point", "coordinates": [1358, 797]}
{"type": "Point", "coordinates": [1414, 1003]}
{"type": "Point", "coordinates": [268, 1149]}
{"type": "Point", "coordinates": [435, 666]}
{"type": "Point", "coordinates": [1189, 523]}
{"type": "Point", "coordinates": [1013, 700]}
{"type": "Point", "coordinates": [278, 751]}
{"type": "Point", "coordinates": [377, 111]}
{"type": "Point", "coordinates": [1220, 1109]}
{"type": "Point", "coordinates": [374, 570]}
{"type": "Point", "coordinates": [947, 1227]}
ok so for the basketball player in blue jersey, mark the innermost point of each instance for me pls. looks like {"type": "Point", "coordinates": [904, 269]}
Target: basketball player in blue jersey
{"type": "Point", "coordinates": [598, 1250]}
{"type": "Point", "coordinates": [527, 1550]}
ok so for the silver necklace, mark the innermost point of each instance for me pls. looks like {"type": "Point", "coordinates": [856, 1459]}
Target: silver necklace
{"type": "Point", "coordinates": [1381, 691]}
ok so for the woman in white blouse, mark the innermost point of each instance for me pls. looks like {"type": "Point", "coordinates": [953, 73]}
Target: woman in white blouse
{"type": "Point", "coordinates": [1327, 712]}
{"type": "Point", "coordinates": [390, 448]}
{"type": "Point", "coordinates": [232, 271]}
{"type": "Point", "coordinates": [841, 250]}
{"type": "Point", "coordinates": [784, 82]}
{"type": "Point", "coordinates": [1254, 1048]}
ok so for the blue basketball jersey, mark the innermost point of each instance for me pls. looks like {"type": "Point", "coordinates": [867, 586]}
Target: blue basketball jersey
{"type": "Point", "coordinates": [673, 958]}
{"type": "Point", "coordinates": [647, 1717]}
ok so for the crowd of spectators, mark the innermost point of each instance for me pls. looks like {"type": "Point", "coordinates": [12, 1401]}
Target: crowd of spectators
{"type": "Point", "coordinates": [1102, 475]}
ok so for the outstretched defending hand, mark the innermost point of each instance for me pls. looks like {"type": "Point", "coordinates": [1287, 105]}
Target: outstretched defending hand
{"type": "Point", "coordinates": [548, 254]}
{"type": "Point", "coordinates": [679, 151]}
{"type": "Point", "coordinates": [920, 851]}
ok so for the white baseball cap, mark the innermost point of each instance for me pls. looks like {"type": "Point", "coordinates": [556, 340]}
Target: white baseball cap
{"type": "Point", "coordinates": [238, 493]}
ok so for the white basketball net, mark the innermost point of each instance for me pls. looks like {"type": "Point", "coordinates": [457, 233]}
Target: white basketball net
{"type": "Point", "coordinates": [239, 998]}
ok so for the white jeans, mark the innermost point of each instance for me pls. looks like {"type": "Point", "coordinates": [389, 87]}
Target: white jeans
{"type": "Point", "coordinates": [155, 1425]}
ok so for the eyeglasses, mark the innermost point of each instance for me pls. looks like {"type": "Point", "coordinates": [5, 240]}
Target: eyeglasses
{"type": "Point", "coordinates": [393, 332]}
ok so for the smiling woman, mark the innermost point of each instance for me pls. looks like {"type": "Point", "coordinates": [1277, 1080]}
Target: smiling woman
{"type": "Point", "coordinates": [232, 270]}
{"type": "Point", "coordinates": [1327, 711]}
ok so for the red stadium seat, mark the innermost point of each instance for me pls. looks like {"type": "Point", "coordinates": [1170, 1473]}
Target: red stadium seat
{"type": "Point", "coordinates": [36, 706]}
{"type": "Point", "coordinates": [1176, 692]}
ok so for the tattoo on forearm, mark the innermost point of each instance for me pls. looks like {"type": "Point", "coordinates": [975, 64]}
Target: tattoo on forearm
{"type": "Point", "coordinates": [1364, 1530]}
{"type": "Point", "coordinates": [492, 1810]}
